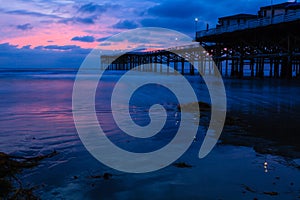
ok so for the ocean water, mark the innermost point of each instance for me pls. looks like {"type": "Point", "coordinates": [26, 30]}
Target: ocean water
{"type": "Point", "coordinates": [36, 118]}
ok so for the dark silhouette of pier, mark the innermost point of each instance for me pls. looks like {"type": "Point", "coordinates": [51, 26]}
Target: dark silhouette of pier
{"type": "Point", "coordinates": [184, 59]}
{"type": "Point", "coordinates": [260, 45]}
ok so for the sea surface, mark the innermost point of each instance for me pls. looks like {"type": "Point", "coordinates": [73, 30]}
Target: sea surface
{"type": "Point", "coordinates": [36, 118]}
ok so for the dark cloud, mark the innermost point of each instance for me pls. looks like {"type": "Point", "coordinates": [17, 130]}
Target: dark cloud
{"type": "Point", "coordinates": [87, 20]}
{"type": "Point", "coordinates": [84, 38]}
{"type": "Point", "coordinates": [91, 8]}
{"type": "Point", "coordinates": [26, 47]}
{"type": "Point", "coordinates": [177, 9]}
{"type": "Point", "coordinates": [102, 39]}
{"type": "Point", "coordinates": [183, 25]}
{"type": "Point", "coordinates": [42, 57]}
{"type": "Point", "coordinates": [35, 14]}
{"type": "Point", "coordinates": [180, 14]}
{"type": "Point", "coordinates": [62, 48]}
{"type": "Point", "coordinates": [111, 39]}
{"type": "Point", "coordinates": [7, 46]}
{"type": "Point", "coordinates": [25, 27]}
{"type": "Point", "coordinates": [88, 13]}
{"type": "Point", "coordinates": [211, 10]}
{"type": "Point", "coordinates": [125, 24]}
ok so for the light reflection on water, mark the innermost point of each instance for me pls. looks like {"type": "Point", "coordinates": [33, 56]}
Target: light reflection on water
{"type": "Point", "coordinates": [36, 117]}
{"type": "Point", "coordinates": [271, 107]}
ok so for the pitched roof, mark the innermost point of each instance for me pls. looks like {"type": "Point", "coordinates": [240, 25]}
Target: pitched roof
{"type": "Point", "coordinates": [239, 16]}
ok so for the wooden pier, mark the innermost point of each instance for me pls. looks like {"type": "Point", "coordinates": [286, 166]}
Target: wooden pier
{"type": "Point", "coordinates": [185, 60]}
{"type": "Point", "coordinates": [262, 45]}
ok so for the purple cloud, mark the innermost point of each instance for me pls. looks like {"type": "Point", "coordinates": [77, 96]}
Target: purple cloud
{"type": "Point", "coordinates": [63, 48]}
{"type": "Point", "coordinates": [86, 20]}
{"type": "Point", "coordinates": [84, 38]}
{"type": "Point", "coordinates": [91, 8]}
{"type": "Point", "coordinates": [102, 39]}
{"type": "Point", "coordinates": [125, 24]}
{"type": "Point", "coordinates": [43, 56]}
{"type": "Point", "coordinates": [30, 13]}
{"type": "Point", "coordinates": [25, 27]}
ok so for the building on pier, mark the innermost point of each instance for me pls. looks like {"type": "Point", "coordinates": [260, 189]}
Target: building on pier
{"type": "Point", "coordinates": [234, 20]}
{"type": "Point", "coordinates": [268, 39]}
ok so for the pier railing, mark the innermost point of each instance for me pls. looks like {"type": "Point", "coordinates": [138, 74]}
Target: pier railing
{"type": "Point", "coordinates": [250, 24]}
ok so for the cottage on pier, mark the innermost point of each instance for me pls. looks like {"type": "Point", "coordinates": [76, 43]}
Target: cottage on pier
{"type": "Point", "coordinates": [235, 20]}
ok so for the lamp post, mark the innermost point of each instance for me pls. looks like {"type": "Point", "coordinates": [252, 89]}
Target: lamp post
{"type": "Point", "coordinates": [196, 27]}
{"type": "Point", "coordinates": [196, 23]}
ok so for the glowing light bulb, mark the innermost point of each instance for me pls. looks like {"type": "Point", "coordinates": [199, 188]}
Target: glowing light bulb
{"type": "Point", "coordinates": [195, 139]}
{"type": "Point", "coordinates": [266, 166]}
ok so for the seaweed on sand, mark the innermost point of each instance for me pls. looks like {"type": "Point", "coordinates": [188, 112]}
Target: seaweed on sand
{"type": "Point", "coordinates": [182, 165]}
{"type": "Point", "coordinates": [11, 165]}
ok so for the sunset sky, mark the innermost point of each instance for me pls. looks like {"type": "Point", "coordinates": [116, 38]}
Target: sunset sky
{"type": "Point", "coordinates": [59, 33]}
